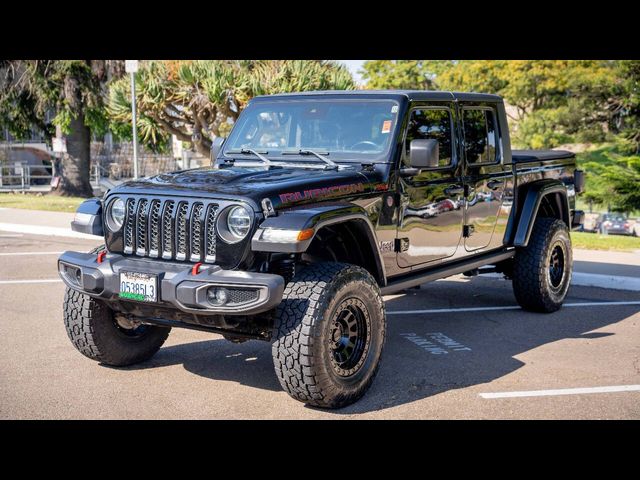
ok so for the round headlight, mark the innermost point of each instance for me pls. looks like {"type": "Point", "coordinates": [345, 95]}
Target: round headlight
{"type": "Point", "coordinates": [115, 218]}
{"type": "Point", "coordinates": [239, 222]}
{"type": "Point", "coordinates": [234, 224]}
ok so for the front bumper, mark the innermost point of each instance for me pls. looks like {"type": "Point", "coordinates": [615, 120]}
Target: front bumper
{"type": "Point", "coordinates": [617, 231]}
{"type": "Point", "coordinates": [177, 286]}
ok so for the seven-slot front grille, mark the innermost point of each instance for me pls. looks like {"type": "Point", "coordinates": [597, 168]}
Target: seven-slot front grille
{"type": "Point", "coordinates": [171, 229]}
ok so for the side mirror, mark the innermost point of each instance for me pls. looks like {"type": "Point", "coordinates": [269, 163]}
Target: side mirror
{"type": "Point", "coordinates": [424, 153]}
{"type": "Point", "coordinates": [216, 146]}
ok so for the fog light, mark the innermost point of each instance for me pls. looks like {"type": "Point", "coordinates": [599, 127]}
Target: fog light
{"type": "Point", "coordinates": [217, 296]}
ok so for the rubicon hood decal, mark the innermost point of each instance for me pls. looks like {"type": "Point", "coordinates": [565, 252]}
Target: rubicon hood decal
{"type": "Point", "coordinates": [325, 192]}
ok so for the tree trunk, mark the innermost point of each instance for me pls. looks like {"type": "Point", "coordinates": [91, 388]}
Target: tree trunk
{"type": "Point", "coordinates": [75, 163]}
{"type": "Point", "coordinates": [203, 146]}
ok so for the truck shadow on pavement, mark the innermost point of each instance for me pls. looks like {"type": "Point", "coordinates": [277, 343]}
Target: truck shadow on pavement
{"type": "Point", "coordinates": [247, 363]}
{"type": "Point", "coordinates": [425, 354]}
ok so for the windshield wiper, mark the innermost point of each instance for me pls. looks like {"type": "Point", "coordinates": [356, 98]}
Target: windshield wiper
{"type": "Point", "coordinates": [306, 151]}
{"type": "Point", "coordinates": [253, 152]}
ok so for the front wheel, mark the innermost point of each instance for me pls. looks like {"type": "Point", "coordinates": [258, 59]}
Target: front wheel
{"type": "Point", "coordinates": [97, 333]}
{"type": "Point", "coordinates": [329, 334]}
{"type": "Point", "coordinates": [542, 270]}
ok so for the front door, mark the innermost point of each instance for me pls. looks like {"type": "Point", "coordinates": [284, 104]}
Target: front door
{"type": "Point", "coordinates": [431, 201]}
{"type": "Point", "coordinates": [485, 175]}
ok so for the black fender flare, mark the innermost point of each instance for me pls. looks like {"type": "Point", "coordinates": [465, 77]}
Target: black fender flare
{"type": "Point", "coordinates": [316, 217]}
{"type": "Point", "coordinates": [88, 218]}
{"type": "Point", "coordinates": [528, 208]}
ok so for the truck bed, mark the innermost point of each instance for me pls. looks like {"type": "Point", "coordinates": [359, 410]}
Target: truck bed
{"type": "Point", "coordinates": [524, 156]}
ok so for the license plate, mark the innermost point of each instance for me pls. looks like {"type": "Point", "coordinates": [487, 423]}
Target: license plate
{"type": "Point", "coordinates": [142, 287]}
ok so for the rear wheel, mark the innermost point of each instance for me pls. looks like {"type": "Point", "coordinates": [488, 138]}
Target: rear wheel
{"type": "Point", "coordinates": [542, 270]}
{"type": "Point", "coordinates": [102, 335]}
{"type": "Point", "coordinates": [329, 334]}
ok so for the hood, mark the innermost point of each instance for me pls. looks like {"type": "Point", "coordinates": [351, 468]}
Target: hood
{"type": "Point", "coordinates": [284, 186]}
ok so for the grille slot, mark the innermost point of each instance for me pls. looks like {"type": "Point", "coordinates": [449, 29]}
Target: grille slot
{"type": "Point", "coordinates": [141, 228]}
{"type": "Point", "coordinates": [154, 228]}
{"type": "Point", "coordinates": [128, 225]}
{"type": "Point", "coordinates": [170, 229]}
{"type": "Point", "coordinates": [181, 231]}
{"type": "Point", "coordinates": [196, 232]}
{"type": "Point", "coordinates": [167, 229]}
{"type": "Point", "coordinates": [210, 226]}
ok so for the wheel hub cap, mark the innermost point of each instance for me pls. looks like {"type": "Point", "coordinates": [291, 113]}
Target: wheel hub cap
{"type": "Point", "coordinates": [556, 266]}
{"type": "Point", "coordinates": [350, 337]}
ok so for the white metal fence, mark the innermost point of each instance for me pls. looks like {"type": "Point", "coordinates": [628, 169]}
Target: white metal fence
{"type": "Point", "coordinates": [24, 177]}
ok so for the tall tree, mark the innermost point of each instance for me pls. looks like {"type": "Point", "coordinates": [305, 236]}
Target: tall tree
{"type": "Point", "coordinates": [71, 92]}
{"type": "Point", "coordinates": [198, 100]}
{"type": "Point", "coordinates": [625, 104]}
{"type": "Point", "coordinates": [402, 74]}
{"type": "Point", "coordinates": [552, 101]}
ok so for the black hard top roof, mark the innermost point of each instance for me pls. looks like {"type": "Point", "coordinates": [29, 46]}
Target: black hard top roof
{"type": "Point", "coordinates": [410, 94]}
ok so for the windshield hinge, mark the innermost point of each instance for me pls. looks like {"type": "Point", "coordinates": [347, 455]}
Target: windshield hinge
{"type": "Point", "coordinates": [267, 208]}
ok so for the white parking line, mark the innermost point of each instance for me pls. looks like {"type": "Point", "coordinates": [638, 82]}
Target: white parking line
{"type": "Point", "coordinates": [13, 282]}
{"type": "Point", "coordinates": [509, 307]}
{"type": "Point", "coordinates": [563, 391]}
{"type": "Point", "coordinates": [11, 254]}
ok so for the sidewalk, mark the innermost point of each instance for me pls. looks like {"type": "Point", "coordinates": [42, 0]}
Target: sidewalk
{"type": "Point", "coordinates": [593, 268]}
{"type": "Point", "coordinates": [598, 268]}
{"type": "Point", "coordinates": [38, 222]}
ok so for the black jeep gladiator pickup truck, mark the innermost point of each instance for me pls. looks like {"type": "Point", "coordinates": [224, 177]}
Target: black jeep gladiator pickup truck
{"type": "Point", "coordinates": [315, 206]}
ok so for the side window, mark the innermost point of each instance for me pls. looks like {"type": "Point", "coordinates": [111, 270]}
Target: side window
{"type": "Point", "coordinates": [480, 135]}
{"type": "Point", "coordinates": [431, 123]}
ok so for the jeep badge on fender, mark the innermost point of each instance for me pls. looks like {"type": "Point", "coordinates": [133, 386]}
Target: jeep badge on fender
{"type": "Point", "coordinates": [316, 206]}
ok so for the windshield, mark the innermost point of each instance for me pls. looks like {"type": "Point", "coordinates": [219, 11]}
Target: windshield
{"type": "Point", "coordinates": [343, 129]}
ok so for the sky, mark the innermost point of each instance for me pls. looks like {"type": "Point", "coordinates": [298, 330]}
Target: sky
{"type": "Point", "coordinates": [354, 66]}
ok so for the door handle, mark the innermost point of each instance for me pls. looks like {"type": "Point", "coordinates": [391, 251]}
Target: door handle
{"type": "Point", "coordinates": [494, 184]}
{"type": "Point", "coordinates": [454, 190]}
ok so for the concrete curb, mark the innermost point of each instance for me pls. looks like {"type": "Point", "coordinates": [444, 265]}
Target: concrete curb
{"type": "Point", "coordinates": [610, 282]}
{"type": "Point", "coordinates": [614, 282]}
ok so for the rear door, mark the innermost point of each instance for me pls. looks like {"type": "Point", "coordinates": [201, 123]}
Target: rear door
{"type": "Point", "coordinates": [485, 174]}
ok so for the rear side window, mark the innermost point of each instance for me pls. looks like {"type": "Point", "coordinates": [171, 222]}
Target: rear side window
{"type": "Point", "coordinates": [432, 123]}
{"type": "Point", "coordinates": [480, 135]}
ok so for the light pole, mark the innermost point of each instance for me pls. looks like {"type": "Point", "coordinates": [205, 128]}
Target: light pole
{"type": "Point", "coordinates": [131, 66]}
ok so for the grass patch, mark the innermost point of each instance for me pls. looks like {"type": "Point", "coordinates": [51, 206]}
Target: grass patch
{"type": "Point", "coordinates": [31, 201]}
{"type": "Point", "coordinates": [595, 241]}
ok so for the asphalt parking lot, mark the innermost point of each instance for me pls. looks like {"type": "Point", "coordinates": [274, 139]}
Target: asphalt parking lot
{"type": "Point", "coordinates": [456, 348]}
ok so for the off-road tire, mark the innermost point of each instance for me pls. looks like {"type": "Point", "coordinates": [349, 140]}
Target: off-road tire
{"type": "Point", "coordinates": [532, 277]}
{"type": "Point", "coordinates": [304, 333]}
{"type": "Point", "coordinates": [92, 329]}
